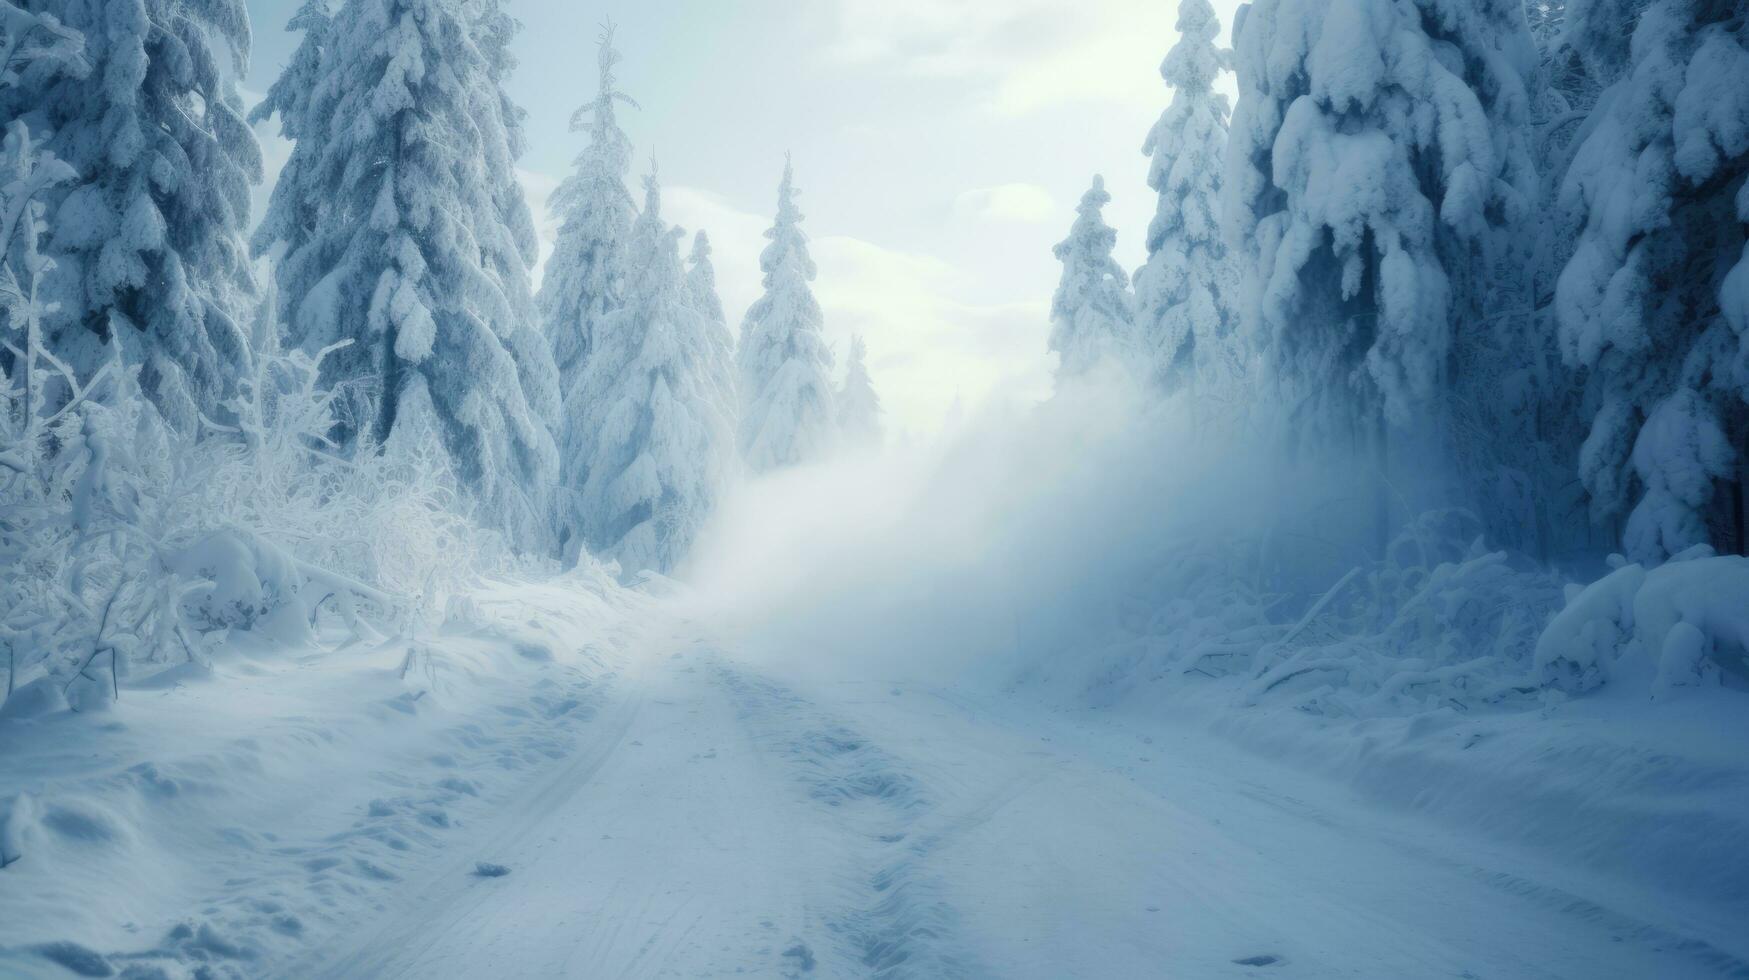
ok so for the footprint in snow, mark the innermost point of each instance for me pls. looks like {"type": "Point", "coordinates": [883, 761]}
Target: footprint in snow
{"type": "Point", "coordinates": [803, 956]}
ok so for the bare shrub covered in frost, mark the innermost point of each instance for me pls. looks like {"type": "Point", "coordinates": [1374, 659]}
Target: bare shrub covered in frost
{"type": "Point", "coordinates": [137, 543]}
{"type": "Point", "coordinates": [1440, 621]}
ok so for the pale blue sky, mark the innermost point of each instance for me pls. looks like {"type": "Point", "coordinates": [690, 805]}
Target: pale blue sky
{"type": "Point", "coordinates": [940, 144]}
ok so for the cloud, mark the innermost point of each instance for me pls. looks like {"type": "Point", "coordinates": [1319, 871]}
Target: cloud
{"type": "Point", "coordinates": [1024, 54]}
{"type": "Point", "coordinates": [1026, 203]}
{"type": "Point", "coordinates": [927, 345]}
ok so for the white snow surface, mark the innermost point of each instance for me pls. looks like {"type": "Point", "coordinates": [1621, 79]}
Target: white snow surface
{"type": "Point", "coordinates": [574, 779]}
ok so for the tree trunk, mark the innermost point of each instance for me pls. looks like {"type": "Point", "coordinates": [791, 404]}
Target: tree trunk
{"type": "Point", "coordinates": [1740, 510]}
{"type": "Point", "coordinates": [1381, 482]}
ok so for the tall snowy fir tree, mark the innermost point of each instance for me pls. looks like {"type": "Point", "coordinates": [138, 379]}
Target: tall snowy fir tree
{"type": "Point", "coordinates": [1092, 309]}
{"type": "Point", "coordinates": [148, 241]}
{"type": "Point", "coordinates": [403, 230]}
{"type": "Point", "coordinates": [859, 408]}
{"type": "Point", "coordinates": [583, 283]}
{"type": "Point", "coordinates": [293, 213]}
{"type": "Point", "coordinates": [1378, 170]}
{"type": "Point", "coordinates": [701, 286]}
{"type": "Point", "coordinates": [653, 410]}
{"type": "Point", "coordinates": [787, 415]}
{"type": "Point", "coordinates": [1186, 316]}
{"type": "Point", "coordinates": [511, 262]}
{"type": "Point", "coordinates": [583, 279]}
{"type": "Point", "coordinates": [1654, 304]}
{"type": "Point", "coordinates": [290, 95]}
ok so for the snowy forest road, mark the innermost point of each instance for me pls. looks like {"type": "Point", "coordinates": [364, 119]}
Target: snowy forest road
{"type": "Point", "coordinates": [716, 821]}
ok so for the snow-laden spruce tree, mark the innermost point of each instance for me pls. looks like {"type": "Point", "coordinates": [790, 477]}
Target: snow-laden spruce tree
{"type": "Point", "coordinates": [1378, 177]}
{"type": "Point", "coordinates": [35, 46]}
{"type": "Point", "coordinates": [583, 279]}
{"type": "Point", "coordinates": [787, 415]}
{"type": "Point", "coordinates": [402, 229]}
{"type": "Point", "coordinates": [1375, 144]}
{"type": "Point", "coordinates": [859, 408]}
{"type": "Point", "coordinates": [1186, 314]}
{"type": "Point", "coordinates": [526, 340]}
{"type": "Point", "coordinates": [652, 410]}
{"type": "Point", "coordinates": [1092, 308]}
{"type": "Point", "coordinates": [290, 94]}
{"type": "Point", "coordinates": [701, 286]}
{"type": "Point", "coordinates": [293, 211]}
{"type": "Point", "coordinates": [1654, 304]}
{"type": "Point", "coordinates": [148, 240]}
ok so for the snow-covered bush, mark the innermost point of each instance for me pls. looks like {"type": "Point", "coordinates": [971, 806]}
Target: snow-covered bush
{"type": "Point", "coordinates": [138, 543]}
{"type": "Point", "coordinates": [1440, 622]}
{"type": "Point", "coordinates": [135, 543]}
{"type": "Point", "coordinates": [1686, 621]}
{"type": "Point", "coordinates": [1583, 640]}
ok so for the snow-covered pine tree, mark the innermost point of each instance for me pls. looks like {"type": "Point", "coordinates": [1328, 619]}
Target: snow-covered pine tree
{"type": "Point", "coordinates": [1186, 314]}
{"type": "Point", "coordinates": [701, 280]}
{"type": "Point", "coordinates": [582, 283]}
{"type": "Point", "coordinates": [148, 240]}
{"type": "Point", "coordinates": [290, 94]}
{"type": "Point", "coordinates": [786, 395]}
{"type": "Point", "coordinates": [1377, 177]}
{"type": "Point", "coordinates": [35, 46]}
{"type": "Point", "coordinates": [1092, 309]}
{"type": "Point", "coordinates": [859, 408]}
{"type": "Point", "coordinates": [584, 279]}
{"type": "Point", "coordinates": [701, 286]}
{"type": "Point", "coordinates": [1654, 304]}
{"type": "Point", "coordinates": [1532, 414]}
{"type": "Point", "coordinates": [293, 210]}
{"type": "Point", "coordinates": [653, 410]}
{"type": "Point", "coordinates": [510, 264]}
{"type": "Point", "coordinates": [403, 230]}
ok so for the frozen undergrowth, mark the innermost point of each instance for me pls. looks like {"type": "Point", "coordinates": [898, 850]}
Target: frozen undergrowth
{"type": "Point", "coordinates": [136, 546]}
{"type": "Point", "coordinates": [1443, 623]}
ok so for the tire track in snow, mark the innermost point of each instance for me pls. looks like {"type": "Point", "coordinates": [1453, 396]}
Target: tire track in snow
{"type": "Point", "coordinates": [367, 953]}
{"type": "Point", "coordinates": [1623, 926]}
{"type": "Point", "coordinates": [892, 920]}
